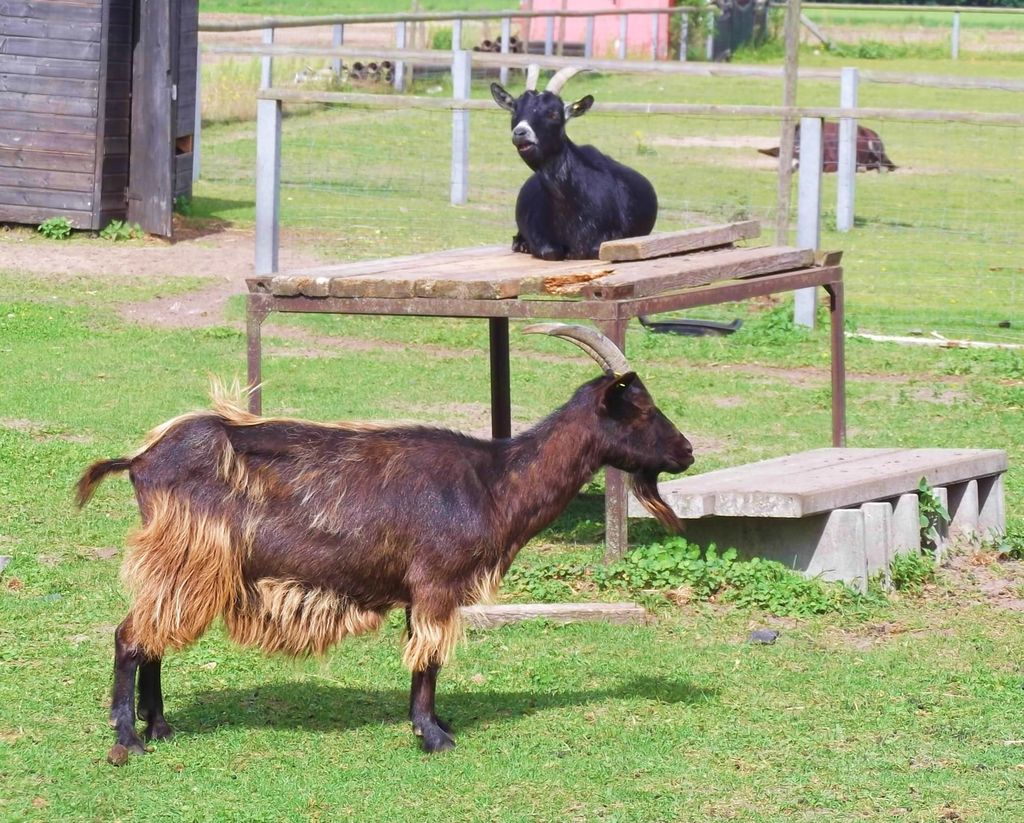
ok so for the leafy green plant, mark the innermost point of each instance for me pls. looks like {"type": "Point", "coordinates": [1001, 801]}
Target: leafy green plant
{"type": "Point", "coordinates": [183, 205]}
{"type": "Point", "coordinates": [55, 228]}
{"type": "Point", "coordinates": [676, 565]}
{"type": "Point", "coordinates": [912, 571]}
{"type": "Point", "coordinates": [934, 515]}
{"type": "Point", "coordinates": [117, 230]}
{"type": "Point", "coordinates": [441, 39]}
{"type": "Point", "coordinates": [546, 582]}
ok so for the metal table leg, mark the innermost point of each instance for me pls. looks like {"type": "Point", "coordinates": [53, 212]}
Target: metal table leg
{"type": "Point", "coordinates": [836, 315]}
{"type": "Point", "coordinates": [501, 394]}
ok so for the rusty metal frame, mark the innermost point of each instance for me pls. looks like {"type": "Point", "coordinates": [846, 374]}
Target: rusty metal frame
{"type": "Point", "coordinates": [611, 316]}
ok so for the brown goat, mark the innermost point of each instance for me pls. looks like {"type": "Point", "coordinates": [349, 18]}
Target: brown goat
{"type": "Point", "coordinates": [302, 533]}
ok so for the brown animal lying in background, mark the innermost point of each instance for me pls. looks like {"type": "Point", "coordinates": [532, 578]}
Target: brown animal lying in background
{"type": "Point", "coordinates": [870, 150]}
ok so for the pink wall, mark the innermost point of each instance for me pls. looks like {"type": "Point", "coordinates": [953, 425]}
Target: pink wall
{"type": "Point", "coordinates": [606, 27]}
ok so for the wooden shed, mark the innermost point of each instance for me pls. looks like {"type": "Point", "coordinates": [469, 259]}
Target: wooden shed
{"type": "Point", "coordinates": [97, 110]}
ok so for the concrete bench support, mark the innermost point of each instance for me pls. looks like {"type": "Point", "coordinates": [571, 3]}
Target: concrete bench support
{"type": "Point", "coordinates": [840, 514]}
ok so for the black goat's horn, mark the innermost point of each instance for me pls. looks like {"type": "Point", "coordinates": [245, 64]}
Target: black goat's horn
{"type": "Point", "coordinates": [561, 77]}
{"type": "Point", "coordinates": [603, 350]}
{"type": "Point", "coordinates": [532, 76]}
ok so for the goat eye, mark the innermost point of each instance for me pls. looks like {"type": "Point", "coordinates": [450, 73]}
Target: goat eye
{"type": "Point", "coordinates": [554, 116]}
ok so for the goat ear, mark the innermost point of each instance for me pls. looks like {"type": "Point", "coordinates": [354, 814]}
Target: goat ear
{"type": "Point", "coordinates": [580, 107]}
{"type": "Point", "coordinates": [502, 97]}
{"type": "Point", "coordinates": [613, 402]}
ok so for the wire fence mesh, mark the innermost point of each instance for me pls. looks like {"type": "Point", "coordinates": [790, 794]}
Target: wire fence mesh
{"type": "Point", "coordinates": [935, 245]}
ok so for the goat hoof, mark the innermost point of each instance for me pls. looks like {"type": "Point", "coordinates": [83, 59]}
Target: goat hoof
{"type": "Point", "coordinates": [159, 729]}
{"type": "Point", "coordinates": [436, 739]}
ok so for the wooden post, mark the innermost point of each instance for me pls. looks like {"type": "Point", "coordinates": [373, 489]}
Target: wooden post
{"type": "Point", "coordinates": [955, 37]}
{"type": "Point", "coordinates": [461, 73]}
{"type": "Point", "coordinates": [561, 30]}
{"type": "Point", "coordinates": [808, 209]}
{"type": "Point", "coordinates": [267, 62]}
{"type": "Point", "coordinates": [549, 37]}
{"type": "Point", "coordinates": [787, 138]}
{"type": "Point", "coordinates": [684, 37]}
{"type": "Point", "coordinates": [457, 35]}
{"type": "Point", "coordinates": [268, 184]}
{"type": "Point", "coordinates": [709, 48]}
{"type": "Point", "coordinates": [623, 34]}
{"type": "Point", "coordinates": [655, 19]}
{"type": "Point", "coordinates": [197, 123]}
{"type": "Point", "coordinates": [506, 35]}
{"type": "Point", "coordinates": [398, 78]}
{"type": "Point", "coordinates": [847, 160]}
{"type": "Point", "coordinates": [337, 41]}
{"type": "Point", "coordinates": [588, 38]}
{"type": "Point", "coordinates": [616, 526]}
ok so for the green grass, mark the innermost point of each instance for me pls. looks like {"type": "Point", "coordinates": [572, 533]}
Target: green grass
{"type": "Point", "coordinates": [905, 708]}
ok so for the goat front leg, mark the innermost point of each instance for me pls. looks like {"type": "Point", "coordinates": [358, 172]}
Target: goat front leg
{"type": "Point", "coordinates": [434, 732]}
{"type": "Point", "coordinates": [151, 701]}
{"type": "Point", "coordinates": [127, 657]}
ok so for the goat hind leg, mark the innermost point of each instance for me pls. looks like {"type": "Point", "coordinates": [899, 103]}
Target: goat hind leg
{"type": "Point", "coordinates": [127, 657]}
{"type": "Point", "coordinates": [151, 701]}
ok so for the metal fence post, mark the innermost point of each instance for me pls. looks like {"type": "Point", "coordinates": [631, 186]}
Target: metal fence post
{"type": "Point", "coordinates": [709, 48]}
{"type": "Point", "coordinates": [655, 20]}
{"type": "Point", "coordinates": [197, 127]}
{"type": "Point", "coordinates": [398, 79]}
{"type": "Point", "coordinates": [549, 37]}
{"type": "Point", "coordinates": [955, 37]}
{"type": "Point", "coordinates": [268, 184]}
{"type": "Point", "coordinates": [506, 35]}
{"type": "Point", "coordinates": [684, 36]}
{"type": "Point", "coordinates": [623, 34]}
{"type": "Point", "coordinates": [337, 40]}
{"type": "Point", "coordinates": [462, 67]}
{"type": "Point", "coordinates": [847, 157]}
{"type": "Point", "coordinates": [457, 35]}
{"type": "Point", "coordinates": [808, 210]}
{"type": "Point", "coordinates": [267, 62]}
{"type": "Point", "coordinates": [588, 38]}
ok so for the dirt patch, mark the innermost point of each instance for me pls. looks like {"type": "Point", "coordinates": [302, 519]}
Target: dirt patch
{"type": "Point", "coordinates": [981, 577]}
{"type": "Point", "coordinates": [40, 432]}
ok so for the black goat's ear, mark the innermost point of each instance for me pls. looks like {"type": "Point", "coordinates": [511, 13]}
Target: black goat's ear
{"type": "Point", "coordinates": [502, 97]}
{"type": "Point", "coordinates": [613, 401]}
{"type": "Point", "coordinates": [580, 107]}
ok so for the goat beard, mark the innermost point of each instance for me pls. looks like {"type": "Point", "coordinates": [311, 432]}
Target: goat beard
{"type": "Point", "coordinates": [645, 489]}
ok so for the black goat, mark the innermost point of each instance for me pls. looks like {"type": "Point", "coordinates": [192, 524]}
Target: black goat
{"type": "Point", "coordinates": [577, 197]}
{"type": "Point", "coordinates": [302, 533]}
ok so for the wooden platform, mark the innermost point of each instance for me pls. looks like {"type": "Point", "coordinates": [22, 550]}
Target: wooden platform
{"type": "Point", "coordinates": [636, 267]}
{"type": "Point", "coordinates": [665, 272]}
{"type": "Point", "coordinates": [839, 513]}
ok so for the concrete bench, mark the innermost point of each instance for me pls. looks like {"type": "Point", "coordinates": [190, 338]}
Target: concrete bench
{"type": "Point", "coordinates": [841, 514]}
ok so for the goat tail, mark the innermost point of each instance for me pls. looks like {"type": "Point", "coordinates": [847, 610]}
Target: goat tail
{"type": "Point", "coordinates": [645, 489]}
{"type": "Point", "coordinates": [94, 475]}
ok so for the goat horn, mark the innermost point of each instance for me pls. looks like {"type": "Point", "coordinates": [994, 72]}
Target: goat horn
{"type": "Point", "coordinates": [555, 83]}
{"type": "Point", "coordinates": [603, 350]}
{"type": "Point", "coordinates": [532, 76]}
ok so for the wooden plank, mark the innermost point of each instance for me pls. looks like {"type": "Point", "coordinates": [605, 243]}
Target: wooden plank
{"type": "Point", "coordinates": [408, 261]}
{"type": "Point", "coordinates": [46, 160]}
{"type": "Point", "coordinates": [32, 215]}
{"type": "Point", "coordinates": [51, 123]}
{"type": "Point", "coordinates": [47, 104]}
{"type": "Point", "coordinates": [44, 179]}
{"type": "Point", "coordinates": [648, 277]}
{"type": "Point", "coordinates": [44, 47]}
{"type": "Point", "coordinates": [488, 617]}
{"type": "Point", "coordinates": [52, 29]}
{"type": "Point", "coordinates": [467, 286]}
{"type": "Point", "coordinates": [79, 12]}
{"type": "Point", "coordinates": [55, 200]}
{"type": "Point", "coordinates": [677, 242]}
{"type": "Point", "coordinates": [45, 141]}
{"type": "Point", "coordinates": [824, 479]}
{"type": "Point", "coordinates": [49, 67]}
{"type": "Point", "coordinates": [32, 84]}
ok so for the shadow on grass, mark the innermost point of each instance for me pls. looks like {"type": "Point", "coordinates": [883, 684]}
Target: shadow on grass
{"type": "Point", "coordinates": [323, 707]}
